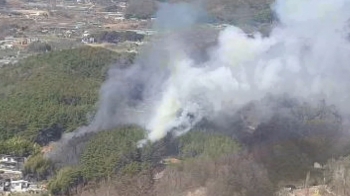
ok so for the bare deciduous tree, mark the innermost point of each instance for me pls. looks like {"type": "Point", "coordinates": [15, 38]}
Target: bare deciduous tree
{"type": "Point", "coordinates": [237, 175]}
{"type": "Point", "coordinates": [338, 176]}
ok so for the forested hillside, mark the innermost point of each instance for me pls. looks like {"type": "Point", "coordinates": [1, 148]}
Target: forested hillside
{"type": "Point", "coordinates": [218, 142]}
{"type": "Point", "coordinates": [46, 95]}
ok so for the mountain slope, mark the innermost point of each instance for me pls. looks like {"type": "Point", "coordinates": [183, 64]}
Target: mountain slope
{"type": "Point", "coordinates": [45, 95]}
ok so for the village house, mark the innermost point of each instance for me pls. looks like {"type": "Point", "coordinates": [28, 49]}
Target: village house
{"type": "Point", "coordinates": [9, 39]}
{"type": "Point", "coordinates": [20, 186]}
{"type": "Point", "coordinates": [10, 42]}
{"type": "Point", "coordinates": [12, 177]}
{"type": "Point", "coordinates": [11, 174]}
{"type": "Point", "coordinates": [5, 185]}
{"type": "Point", "coordinates": [318, 166]}
{"type": "Point", "coordinates": [8, 162]}
{"type": "Point", "coordinates": [5, 46]}
{"type": "Point", "coordinates": [86, 38]}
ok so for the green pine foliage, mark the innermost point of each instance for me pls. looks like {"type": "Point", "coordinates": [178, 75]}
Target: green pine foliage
{"type": "Point", "coordinates": [18, 146]}
{"type": "Point", "coordinates": [52, 92]}
{"type": "Point", "coordinates": [65, 180]}
{"type": "Point", "coordinates": [110, 151]}
{"type": "Point", "coordinates": [40, 167]}
{"type": "Point", "coordinates": [197, 143]}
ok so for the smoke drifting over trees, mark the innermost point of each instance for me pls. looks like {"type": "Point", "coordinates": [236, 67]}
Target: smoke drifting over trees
{"type": "Point", "coordinates": [285, 97]}
{"type": "Point", "coordinates": [241, 69]}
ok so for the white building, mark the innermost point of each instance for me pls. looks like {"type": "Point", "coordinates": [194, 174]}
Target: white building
{"type": "Point", "coordinates": [6, 46]}
{"type": "Point", "coordinates": [11, 159]}
{"type": "Point", "coordinates": [8, 159]}
{"type": "Point", "coordinates": [11, 163]}
{"type": "Point", "coordinates": [19, 186]}
{"type": "Point", "coordinates": [317, 165]}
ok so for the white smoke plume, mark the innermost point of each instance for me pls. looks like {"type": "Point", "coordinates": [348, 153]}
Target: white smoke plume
{"type": "Point", "coordinates": [306, 55]}
{"type": "Point", "coordinates": [167, 90]}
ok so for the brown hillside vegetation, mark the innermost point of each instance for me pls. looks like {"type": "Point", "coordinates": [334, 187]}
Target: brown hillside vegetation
{"type": "Point", "coordinates": [231, 175]}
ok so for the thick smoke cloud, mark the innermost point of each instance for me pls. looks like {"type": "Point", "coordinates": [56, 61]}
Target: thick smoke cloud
{"type": "Point", "coordinates": [168, 90]}
{"type": "Point", "coordinates": [305, 56]}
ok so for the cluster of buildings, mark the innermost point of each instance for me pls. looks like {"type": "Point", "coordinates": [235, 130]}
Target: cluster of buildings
{"type": "Point", "coordinates": [11, 42]}
{"type": "Point", "coordinates": [11, 177]}
{"type": "Point", "coordinates": [75, 22]}
{"type": "Point", "coordinates": [15, 44]}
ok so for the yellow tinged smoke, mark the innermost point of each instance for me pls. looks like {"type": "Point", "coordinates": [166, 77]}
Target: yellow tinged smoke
{"type": "Point", "coordinates": [165, 114]}
{"type": "Point", "coordinates": [169, 104]}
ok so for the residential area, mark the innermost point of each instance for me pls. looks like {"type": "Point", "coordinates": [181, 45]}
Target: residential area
{"type": "Point", "coordinates": [28, 28]}
{"type": "Point", "coordinates": [12, 179]}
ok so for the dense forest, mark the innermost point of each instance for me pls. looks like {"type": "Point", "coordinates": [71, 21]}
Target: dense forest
{"type": "Point", "coordinates": [46, 95]}
{"type": "Point", "coordinates": [57, 91]}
